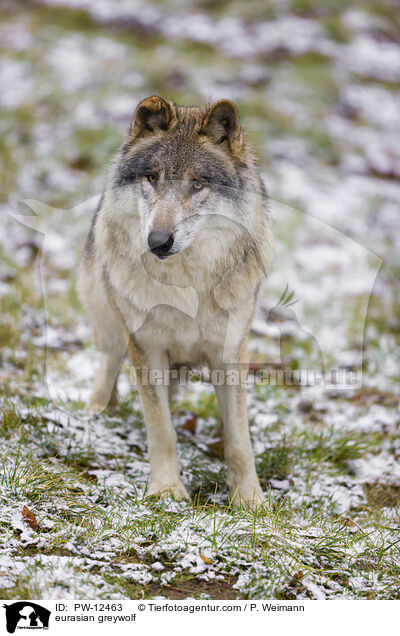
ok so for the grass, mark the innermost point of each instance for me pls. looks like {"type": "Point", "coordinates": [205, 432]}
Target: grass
{"type": "Point", "coordinates": [79, 516]}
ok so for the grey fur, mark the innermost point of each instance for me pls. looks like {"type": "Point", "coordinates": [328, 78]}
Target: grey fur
{"type": "Point", "coordinates": [196, 306]}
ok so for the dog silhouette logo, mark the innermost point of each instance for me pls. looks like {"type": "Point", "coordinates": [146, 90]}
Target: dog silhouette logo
{"type": "Point", "coordinates": [286, 321]}
{"type": "Point", "coordinates": [26, 615]}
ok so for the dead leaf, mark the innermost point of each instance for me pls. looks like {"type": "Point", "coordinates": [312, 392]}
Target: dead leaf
{"type": "Point", "coordinates": [255, 366]}
{"type": "Point", "coordinates": [305, 406]}
{"type": "Point", "coordinates": [216, 448]}
{"type": "Point", "coordinates": [206, 559]}
{"type": "Point", "coordinates": [29, 518]}
{"type": "Point", "coordinates": [190, 424]}
{"type": "Point", "coordinates": [350, 524]}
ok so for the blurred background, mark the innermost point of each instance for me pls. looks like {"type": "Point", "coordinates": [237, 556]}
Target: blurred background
{"type": "Point", "coordinates": [317, 85]}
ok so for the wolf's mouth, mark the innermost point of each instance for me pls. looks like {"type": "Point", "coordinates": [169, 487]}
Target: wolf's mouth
{"type": "Point", "coordinates": [162, 256]}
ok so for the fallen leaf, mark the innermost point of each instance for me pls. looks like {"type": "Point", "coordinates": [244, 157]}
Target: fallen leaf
{"type": "Point", "coordinates": [348, 522]}
{"type": "Point", "coordinates": [29, 518]}
{"type": "Point", "coordinates": [217, 448]}
{"type": "Point", "coordinates": [190, 424]}
{"type": "Point", "coordinates": [206, 559]}
{"type": "Point", "coordinates": [305, 406]}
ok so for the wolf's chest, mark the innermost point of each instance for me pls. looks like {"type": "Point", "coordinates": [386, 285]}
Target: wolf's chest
{"type": "Point", "coordinates": [187, 338]}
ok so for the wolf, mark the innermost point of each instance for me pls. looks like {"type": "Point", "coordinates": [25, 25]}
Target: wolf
{"type": "Point", "coordinates": [171, 269]}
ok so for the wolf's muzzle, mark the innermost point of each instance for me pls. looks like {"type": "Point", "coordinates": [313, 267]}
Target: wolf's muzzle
{"type": "Point", "coordinates": [160, 243]}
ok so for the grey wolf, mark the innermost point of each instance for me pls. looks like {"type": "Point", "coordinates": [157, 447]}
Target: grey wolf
{"type": "Point", "coordinates": [171, 270]}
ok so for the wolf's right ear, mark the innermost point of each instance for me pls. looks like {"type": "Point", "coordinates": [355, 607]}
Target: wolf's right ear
{"type": "Point", "coordinates": [152, 114]}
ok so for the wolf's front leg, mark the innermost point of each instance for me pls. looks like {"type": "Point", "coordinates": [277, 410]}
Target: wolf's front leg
{"type": "Point", "coordinates": [161, 436]}
{"type": "Point", "coordinates": [242, 479]}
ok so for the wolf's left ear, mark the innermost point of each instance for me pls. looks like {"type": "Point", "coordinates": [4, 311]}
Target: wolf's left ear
{"type": "Point", "coordinates": [222, 124]}
{"type": "Point", "coordinates": [152, 114]}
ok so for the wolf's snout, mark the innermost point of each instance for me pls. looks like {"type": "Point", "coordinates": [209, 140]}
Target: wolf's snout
{"type": "Point", "coordinates": [160, 242]}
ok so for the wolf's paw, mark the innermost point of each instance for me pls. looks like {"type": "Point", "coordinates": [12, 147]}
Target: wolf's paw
{"type": "Point", "coordinates": [99, 403]}
{"type": "Point", "coordinates": [248, 496]}
{"type": "Point", "coordinates": [177, 491]}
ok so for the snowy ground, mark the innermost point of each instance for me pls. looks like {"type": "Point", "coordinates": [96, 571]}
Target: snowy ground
{"type": "Point", "coordinates": [317, 85]}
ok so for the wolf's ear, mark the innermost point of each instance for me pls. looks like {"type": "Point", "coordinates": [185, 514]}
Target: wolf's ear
{"type": "Point", "coordinates": [222, 124]}
{"type": "Point", "coordinates": [152, 114]}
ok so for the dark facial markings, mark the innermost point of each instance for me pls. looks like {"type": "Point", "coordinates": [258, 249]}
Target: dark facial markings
{"type": "Point", "coordinates": [141, 164]}
{"type": "Point", "coordinates": [178, 158]}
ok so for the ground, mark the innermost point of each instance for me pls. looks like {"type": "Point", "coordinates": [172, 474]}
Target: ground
{"type": "Point", "coordinates": [317, 85]}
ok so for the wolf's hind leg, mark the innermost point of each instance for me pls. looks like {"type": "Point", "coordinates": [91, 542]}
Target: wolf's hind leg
{"type": "Point", "coordinates": [108, 336]}
{"type": "Point", "coordinates": [173, 390]}
{"type": "Point", "coordinates": [105, 385]}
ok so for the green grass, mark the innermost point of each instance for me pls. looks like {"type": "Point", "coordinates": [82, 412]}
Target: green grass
{"type": "Point", "coordinates": [292, 543]}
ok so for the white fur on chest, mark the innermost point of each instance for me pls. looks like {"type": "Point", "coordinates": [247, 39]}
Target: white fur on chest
{"type": "Point", "coordinates": [188, 336]}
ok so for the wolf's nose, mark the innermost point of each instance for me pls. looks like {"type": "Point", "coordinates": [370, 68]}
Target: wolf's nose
{"type": "Point", "coordinates": [160, 242]}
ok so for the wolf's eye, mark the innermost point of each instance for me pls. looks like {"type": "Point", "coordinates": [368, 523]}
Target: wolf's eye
{"type": "Point", "coordinates": [198, 185]}
{"type": "Point", "coordinates": [152, 178]}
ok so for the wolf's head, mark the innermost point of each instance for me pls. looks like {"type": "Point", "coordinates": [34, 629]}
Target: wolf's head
{"type": "Point", "coordinates": [186, 170]}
